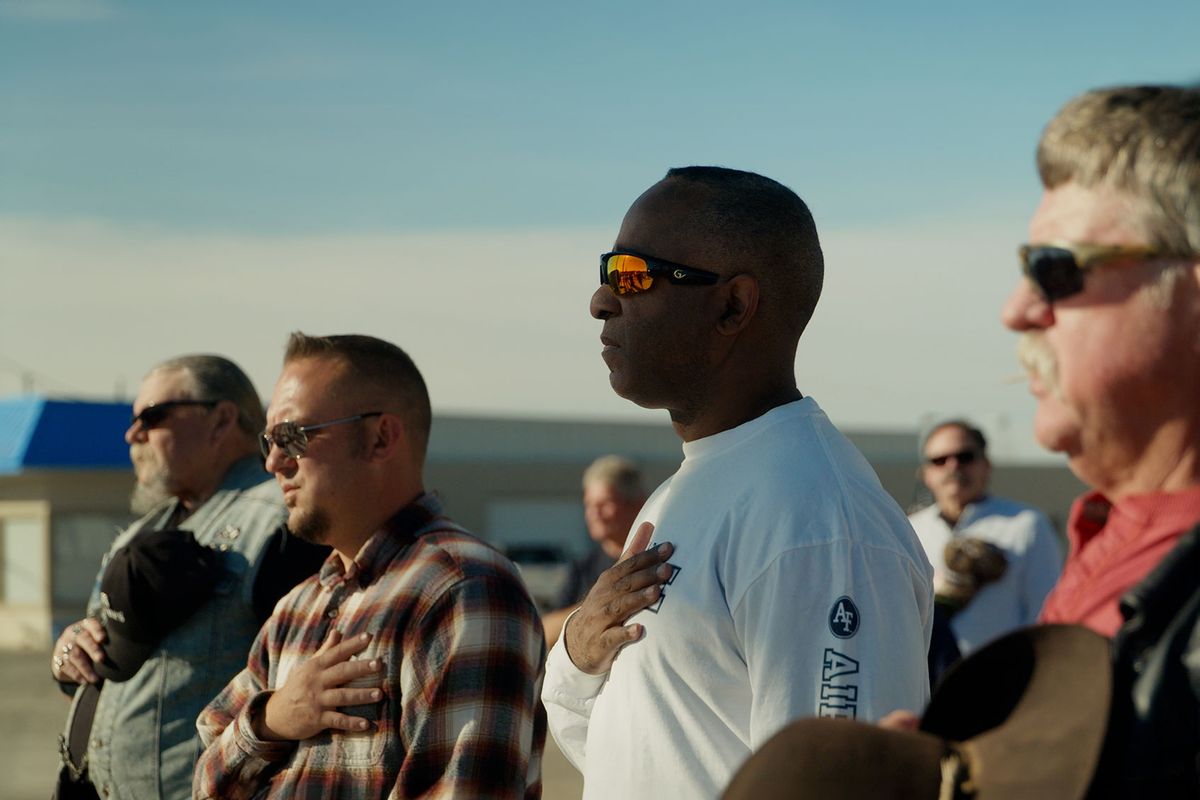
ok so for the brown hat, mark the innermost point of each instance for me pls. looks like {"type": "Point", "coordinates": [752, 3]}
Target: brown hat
{"type": "Point", "coordinates": [1023, 717]}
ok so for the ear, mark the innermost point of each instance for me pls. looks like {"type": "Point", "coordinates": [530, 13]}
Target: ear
{"type": "Point", "coordinates": [387, 438]}
{"type": "Point", "coordinates": [740, 295]}
{"type": "Point", "coordinates": [224, 419]}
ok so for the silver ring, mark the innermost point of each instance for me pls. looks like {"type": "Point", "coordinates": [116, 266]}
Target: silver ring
{"type": "Point", "coordinates": [76, 629]}
{"type": "Point", "coordinates": [58, 662]}
{"type": "Point", "coordinates": [66, 648]}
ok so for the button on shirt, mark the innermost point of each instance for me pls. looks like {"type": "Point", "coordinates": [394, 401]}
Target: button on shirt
{"type": "Point", "coordinates": [461, 647]}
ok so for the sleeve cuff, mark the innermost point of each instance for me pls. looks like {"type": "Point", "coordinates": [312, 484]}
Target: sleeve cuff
{"type": "Point", "coordinates": [259, 753]}
{"type": "Point", "coordinates": [566, 684]}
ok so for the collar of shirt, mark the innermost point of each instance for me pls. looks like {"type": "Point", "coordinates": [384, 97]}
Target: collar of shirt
{"type": "Point", "coordinates": [374, 556]}
{"type": "Point", "coordinates": [970, 511]}
{"type": "Point", "coordinates": [1162, 513]}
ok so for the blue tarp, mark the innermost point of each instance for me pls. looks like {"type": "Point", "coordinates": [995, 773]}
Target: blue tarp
{"type": "Point", "coordinates": [37, 432]}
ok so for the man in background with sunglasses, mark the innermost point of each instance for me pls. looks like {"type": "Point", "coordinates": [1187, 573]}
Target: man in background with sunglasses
{"type": "Point", "coordinates": [994, 560]}
{"type": "Point", "coordinates": [784, 582]}
{"type": "Point", "coordinates": [410, 665]}
{"type": "Point", "coordinates": [192, 441]}
{"type": "Point", "coordinates": [1109, 317]}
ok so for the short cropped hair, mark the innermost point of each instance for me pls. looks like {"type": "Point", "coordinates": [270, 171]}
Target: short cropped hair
{"type": "Point", "coordinates": [1144, 140]}
{"type": "Point", "coordinates": [973, 433]}
{"type": "Point", "coordinates": [752, 215]}
{"type": "Point", "coordinates": [617, 472]}
{"type": "Point", "coordinates": [376, 365]}
{"type": "Point", "coordinates": [217, 378]}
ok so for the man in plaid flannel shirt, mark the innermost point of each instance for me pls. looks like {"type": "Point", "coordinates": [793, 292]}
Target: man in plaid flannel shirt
{"type": "Point", "coordinates": [410, 666]}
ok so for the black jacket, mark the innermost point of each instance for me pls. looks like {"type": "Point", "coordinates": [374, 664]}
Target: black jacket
{"type": "Point", "coordinates": [1153, 746]}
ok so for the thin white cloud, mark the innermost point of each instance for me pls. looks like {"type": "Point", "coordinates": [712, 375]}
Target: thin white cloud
{"type": "Point", "coordinates": [498, 319]}
{"type": "Point", "coordinates": [57, 10]}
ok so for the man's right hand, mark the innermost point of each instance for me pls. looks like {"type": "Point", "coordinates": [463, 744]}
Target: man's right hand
{"type": "Point", "coordinates": [901, 721]}
{"type": "Point", "coordinates": [307, 702]}
{"type": "Point", "coordinates": [77, 650]}
{"type": "Point", "coordinates": [597, 631]}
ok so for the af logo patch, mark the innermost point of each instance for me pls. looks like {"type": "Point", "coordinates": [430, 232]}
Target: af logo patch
{"type": "Point", "coordinates": [843, 618]}
{"type": "Point", "coordinates": [656, 606]}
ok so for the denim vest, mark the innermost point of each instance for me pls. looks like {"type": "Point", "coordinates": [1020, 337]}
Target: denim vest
{"type": "Point", "coordinates": [144, 742]}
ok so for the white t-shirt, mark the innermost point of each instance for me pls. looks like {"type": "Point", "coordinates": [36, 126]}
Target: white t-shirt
{"type": "Point", "coordinates": [1034, 561]}
{"type": "Point", "coordinates": [799, 590]}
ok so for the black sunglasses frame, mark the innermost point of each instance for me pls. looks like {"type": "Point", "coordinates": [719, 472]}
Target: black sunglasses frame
{"type": "Point", "coordinates": [962, 458]}
{"type": "Point", "coordinates": [297, 444]}
{"type": "Point", "coordinates": [655, 267]}
{"type": "Point", "coordinates": [155, 414]}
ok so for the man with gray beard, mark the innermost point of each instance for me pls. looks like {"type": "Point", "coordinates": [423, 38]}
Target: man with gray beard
{"type": "Point", "coordinates": [1109, 317]}
{"type": "Point", "coordinates": [200, 484]}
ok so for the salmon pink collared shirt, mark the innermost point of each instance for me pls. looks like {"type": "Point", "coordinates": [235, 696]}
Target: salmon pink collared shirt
{"type": "Point", "coordinates": [1111, 553]}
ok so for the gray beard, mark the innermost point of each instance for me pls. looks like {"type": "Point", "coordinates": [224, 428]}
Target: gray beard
{"type": "Point", "coordinates": [146, 498]}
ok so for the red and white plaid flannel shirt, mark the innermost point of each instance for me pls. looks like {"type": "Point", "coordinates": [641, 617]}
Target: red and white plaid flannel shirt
{"type": "Point", "coordinates": [462, 650]}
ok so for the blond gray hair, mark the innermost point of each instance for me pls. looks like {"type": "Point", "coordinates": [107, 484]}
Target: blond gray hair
{"type": "Point", "coordinates": [617, 472]}
{"type": "Point", "coordinates": [1142, 140]}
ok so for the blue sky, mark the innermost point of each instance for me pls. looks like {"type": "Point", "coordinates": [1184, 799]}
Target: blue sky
{"type": "Point", "coordinates": [145, 146]}
{"type": "Point", "coordinates": [302, 116]}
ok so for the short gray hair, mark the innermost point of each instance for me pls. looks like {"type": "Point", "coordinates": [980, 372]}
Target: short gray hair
{"type": "Point", "coordinates": [217, 378]}
{"type": "Point", "coordinates": [969, 429]}
{"type": "Point", "coordinates": [617, 472]}
{"type": "Point", "coordinates": [1143, 140]}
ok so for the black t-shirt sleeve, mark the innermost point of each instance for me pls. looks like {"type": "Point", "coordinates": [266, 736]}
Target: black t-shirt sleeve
{"type": "Point", "coordinates": [287, 561]}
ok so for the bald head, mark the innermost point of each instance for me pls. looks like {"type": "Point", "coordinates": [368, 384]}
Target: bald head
{"type": "Point", "coordinates": [713, 353]}
{"type": "Point", "coordinates": [758, 226]}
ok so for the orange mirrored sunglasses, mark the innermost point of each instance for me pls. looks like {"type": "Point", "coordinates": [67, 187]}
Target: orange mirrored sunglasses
{"type": "Point", "coordinates": [626, 272]}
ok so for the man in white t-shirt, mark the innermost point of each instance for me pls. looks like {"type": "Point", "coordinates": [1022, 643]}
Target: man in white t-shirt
{"type": "Point", "coordinates": [782, 581]}
{"type": "Point", "coordinates": [994, 560]}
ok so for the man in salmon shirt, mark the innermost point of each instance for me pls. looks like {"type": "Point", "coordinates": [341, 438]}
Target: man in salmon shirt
{"type": "Point", "coordinates": [1109, 317]}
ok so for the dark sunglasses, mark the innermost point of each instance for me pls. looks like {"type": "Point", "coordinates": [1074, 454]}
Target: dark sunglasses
{"type": "Point", "coordinates": [962, 458]}
{"type": "Point", "coordinates": [630, 273]}
{"type": "Point", "coordinates": [154, 414]}
{"type": "Point", "coordinates": [1057, 269]}
{"type": "Point", "coordinates": [292, 439]}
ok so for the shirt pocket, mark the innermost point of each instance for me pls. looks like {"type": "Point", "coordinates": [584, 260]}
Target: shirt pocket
{"type": "Point", "coordinates": [366, 748]}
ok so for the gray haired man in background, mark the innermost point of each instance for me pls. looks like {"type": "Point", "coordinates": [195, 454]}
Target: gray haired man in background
{"type": "Point", "coordinates": [613, 494]}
